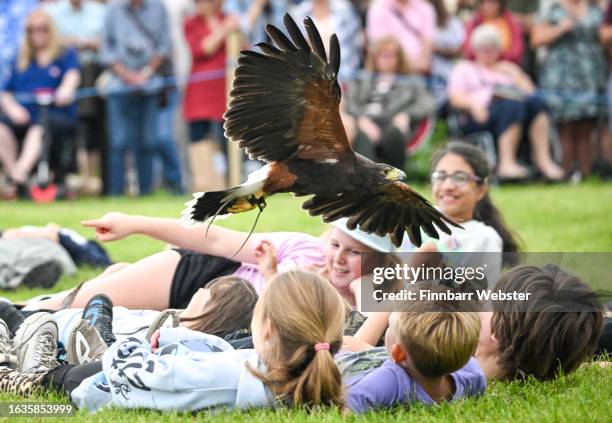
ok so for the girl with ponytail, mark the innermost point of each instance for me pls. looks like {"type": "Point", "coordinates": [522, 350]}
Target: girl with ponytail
{"type": "Point", "coordinates": [297, 328]}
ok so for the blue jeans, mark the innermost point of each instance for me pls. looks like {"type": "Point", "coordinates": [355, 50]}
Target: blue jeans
{"type": "Point", "coordinates": [166, 147]}
{"type": "Point", "coordinates": [132, 125]}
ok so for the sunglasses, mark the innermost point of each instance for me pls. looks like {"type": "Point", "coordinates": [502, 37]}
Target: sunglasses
{"type": "Point", "coordinates": [458, 178]}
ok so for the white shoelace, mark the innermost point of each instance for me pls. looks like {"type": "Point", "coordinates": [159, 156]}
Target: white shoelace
{"type": "Point", "coordinates": [46, 350]}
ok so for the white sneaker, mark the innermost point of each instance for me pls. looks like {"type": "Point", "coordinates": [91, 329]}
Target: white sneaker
{"type": "Point", "coordinates": [35, 344]}
{"type": "Point", "coordinates": [85, 344]}
{"type": "Point", "coordinates": [7, 355]}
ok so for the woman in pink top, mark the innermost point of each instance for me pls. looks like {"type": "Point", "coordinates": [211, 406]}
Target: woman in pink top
{"type": "Point", "coordinates": [498, 97]}
{"type": "Point", "coordinates": [170, 278]}
{"type": "Point", "coordinates": [413, 22]}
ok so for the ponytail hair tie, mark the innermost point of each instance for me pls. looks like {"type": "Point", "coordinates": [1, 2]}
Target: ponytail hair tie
{"type": "Point", "coordinates": [321, 346]}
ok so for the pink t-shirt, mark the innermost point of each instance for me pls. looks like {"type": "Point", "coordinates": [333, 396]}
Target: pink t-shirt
{"type": "Point", "coordinates": [471, 79]}
{"type": "Point", "coordinates": [412, 24]}
{"type": "Point", "coordinates": [293, 251]}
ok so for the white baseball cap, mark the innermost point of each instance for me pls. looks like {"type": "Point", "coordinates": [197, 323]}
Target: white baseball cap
{"type": "Point", "coordinates": [381, 244]}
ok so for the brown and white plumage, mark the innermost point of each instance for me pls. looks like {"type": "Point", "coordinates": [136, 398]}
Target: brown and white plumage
{"type": "Point", "coordinates": [284, 109]}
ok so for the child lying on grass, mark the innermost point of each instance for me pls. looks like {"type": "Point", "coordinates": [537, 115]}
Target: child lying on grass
{"type": "Point", "coordinates": [171, 277]}
{"type": "Point", "coordinates": [291, 365]}
{"type": "Point", "coordinates": [223, 308]}
{"type": "Point", "coordinates": [429, 360]}
{"type": "Point", "coordinates": [543, 338]}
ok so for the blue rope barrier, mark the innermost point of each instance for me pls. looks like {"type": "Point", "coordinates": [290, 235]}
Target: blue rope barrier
{"type": "Point", "coordinates": [166, 82]}
{"type": "Point", "coordinates": [172, 81]}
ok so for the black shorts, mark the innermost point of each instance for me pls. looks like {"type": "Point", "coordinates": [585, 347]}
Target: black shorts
{"type": "Point", "coordinates": [194, 271]}
{"type": "Point", "coordinates": [61, 126]}
{"type": "Point", "coordinates": [19, 131]}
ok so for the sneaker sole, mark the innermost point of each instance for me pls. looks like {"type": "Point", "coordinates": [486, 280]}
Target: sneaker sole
{"type": "Point", "coordinates": [107, 302]}
{"type": "Point", "coordinates": [79, 349]}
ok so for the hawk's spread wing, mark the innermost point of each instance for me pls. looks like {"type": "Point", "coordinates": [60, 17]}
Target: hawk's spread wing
{"type": "Point", "coordinates": [396, 210]}
{"type": "Point", "coordinates": [285, 102]}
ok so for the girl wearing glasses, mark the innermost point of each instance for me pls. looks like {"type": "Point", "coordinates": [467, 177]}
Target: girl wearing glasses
{"type": "Point", "coordinates": [460, 190]}
{"type": "Point", "coordinates": [42, 67]}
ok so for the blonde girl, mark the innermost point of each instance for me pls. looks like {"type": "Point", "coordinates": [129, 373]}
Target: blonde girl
{"type": "Point", "coordinates": [42, 66]}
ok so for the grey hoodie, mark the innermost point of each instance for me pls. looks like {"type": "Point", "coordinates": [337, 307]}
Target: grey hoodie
{"type": "Point", "coordinates": [190, 371]}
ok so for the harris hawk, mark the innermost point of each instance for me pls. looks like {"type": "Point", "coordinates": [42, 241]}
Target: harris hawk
{"type": "Point", "coordinates": [284, 110]}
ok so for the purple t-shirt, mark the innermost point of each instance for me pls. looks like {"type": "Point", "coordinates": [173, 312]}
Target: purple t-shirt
{"type": "Point", "coordinates": [390, 385]}
{"type": "Point", "coordinates": [293, 251]}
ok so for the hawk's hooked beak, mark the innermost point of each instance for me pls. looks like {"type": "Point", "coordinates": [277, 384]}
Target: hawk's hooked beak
{"type": "Point", "coordinates": [395, 174]}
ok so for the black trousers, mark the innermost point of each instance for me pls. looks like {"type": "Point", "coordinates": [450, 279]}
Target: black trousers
{"type": "Point", "coordinates": [67, 377]}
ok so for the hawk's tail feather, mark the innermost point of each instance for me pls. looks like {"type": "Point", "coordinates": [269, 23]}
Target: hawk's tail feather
{"type": "Point", "coordinates": [219, 204]}
{"type": "Point", "coordinates": [211, 205]}
{"type": "Point", "coordinates": [205, 205]}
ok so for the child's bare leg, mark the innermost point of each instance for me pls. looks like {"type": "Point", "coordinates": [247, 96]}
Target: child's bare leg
{"type": "Point", "coordinates": [30, 153]}
{"type": "Point", "coordinates": [142, 285]}
{"type": "Point", "coordinates": [113, 268]}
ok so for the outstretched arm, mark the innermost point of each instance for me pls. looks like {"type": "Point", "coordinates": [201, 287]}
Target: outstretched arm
{"type": "Point", "coordinates": [373, 328]}
{"type": "Point", "coordinates": [219, 242]}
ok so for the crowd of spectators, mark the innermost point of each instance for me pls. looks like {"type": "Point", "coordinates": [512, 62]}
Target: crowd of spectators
{"type": "Point", "coordinates": [124, 82]}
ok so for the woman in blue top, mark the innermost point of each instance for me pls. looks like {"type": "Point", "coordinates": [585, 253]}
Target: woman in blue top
{"type": "Point", "coordinates": [42, 67]}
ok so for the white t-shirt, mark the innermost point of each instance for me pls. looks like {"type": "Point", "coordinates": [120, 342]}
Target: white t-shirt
{"type": "Point", "coordinates": [475, 237]}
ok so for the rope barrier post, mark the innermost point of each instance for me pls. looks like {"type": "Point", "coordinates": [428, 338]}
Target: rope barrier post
{"type": "Point", "coordinates": [233, 43]}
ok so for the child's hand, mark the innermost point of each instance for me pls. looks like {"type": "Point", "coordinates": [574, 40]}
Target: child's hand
{"type": "Point", "coordinates": [266, 256]}
{"type": "Point", "coordinates": [111, 227]}
{"type": "Point", "coordinates": [155, 341]}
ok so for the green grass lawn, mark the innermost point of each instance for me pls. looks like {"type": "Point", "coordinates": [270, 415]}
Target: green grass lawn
{"type": "Point", "coordinates": [546, 218]}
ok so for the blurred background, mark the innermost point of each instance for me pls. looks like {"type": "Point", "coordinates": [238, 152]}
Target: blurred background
{"type": "Point", "coordinates": [127, 97]}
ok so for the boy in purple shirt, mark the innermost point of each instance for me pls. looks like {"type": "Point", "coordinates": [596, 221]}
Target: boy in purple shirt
{"type": "Point", "coordinates": [429, 361]}
{"type": "Point", "coordinates": [551, 335]}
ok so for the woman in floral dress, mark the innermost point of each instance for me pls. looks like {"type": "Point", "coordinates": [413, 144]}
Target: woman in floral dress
{"type": "Point", "coordinates": [573, 75]}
